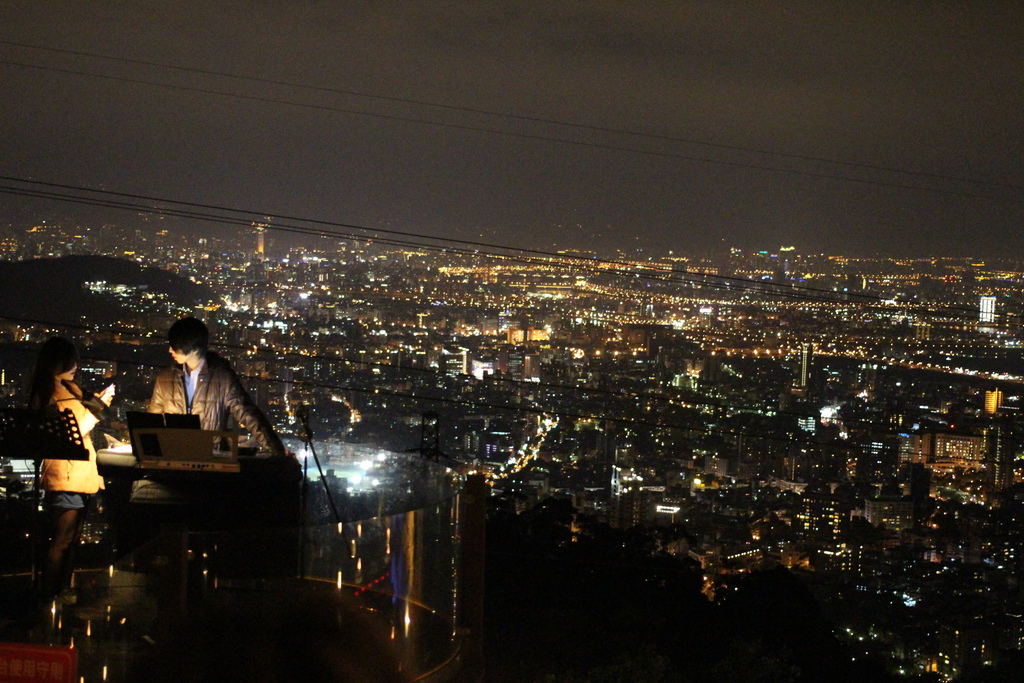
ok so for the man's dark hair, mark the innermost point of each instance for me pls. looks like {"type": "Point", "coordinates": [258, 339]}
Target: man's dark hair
{"type": "Point", "coordinates": [188, 335]}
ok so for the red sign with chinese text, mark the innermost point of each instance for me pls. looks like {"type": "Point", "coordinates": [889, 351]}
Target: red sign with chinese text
{"type": "Point", "coordinates": [21, 663]}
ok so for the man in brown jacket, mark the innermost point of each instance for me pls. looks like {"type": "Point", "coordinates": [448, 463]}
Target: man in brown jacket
{"type": "Point", "coordinates": [202, 383]}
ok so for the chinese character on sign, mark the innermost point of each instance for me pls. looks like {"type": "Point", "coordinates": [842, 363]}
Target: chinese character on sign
{"type": "Point", "coordinates": [21, 663]}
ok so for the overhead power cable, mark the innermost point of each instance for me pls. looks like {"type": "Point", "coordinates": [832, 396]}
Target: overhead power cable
{"type": "Point", "coordinates": [230, 215]}
{"type": "Point", "coordinates": [700, 280]}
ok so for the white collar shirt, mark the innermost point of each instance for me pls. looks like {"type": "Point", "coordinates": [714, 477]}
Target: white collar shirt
{"type": "Point", "coordinates": [192, 381]}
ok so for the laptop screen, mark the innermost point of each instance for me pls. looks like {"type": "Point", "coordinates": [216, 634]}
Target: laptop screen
{"type": "Point", "coordinates": [149, 443]}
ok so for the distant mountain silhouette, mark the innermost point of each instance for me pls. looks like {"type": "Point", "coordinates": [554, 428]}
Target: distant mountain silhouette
{"type": "Point", "coordinates": [51, 289]}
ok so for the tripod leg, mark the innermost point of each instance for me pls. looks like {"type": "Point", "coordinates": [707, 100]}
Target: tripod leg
{"type": "Point", "coordinates": [304, 503]}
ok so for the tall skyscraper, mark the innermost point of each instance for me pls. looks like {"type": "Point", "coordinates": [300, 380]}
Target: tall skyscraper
{"type": "Point", "coordinates": [993, 399]}
{"type": "Point", "coordinates": [261, 241]}
{"type": "Point", "coordinates": [806, 355]}
{"type": "Point", "coordinates": [1001, 450]}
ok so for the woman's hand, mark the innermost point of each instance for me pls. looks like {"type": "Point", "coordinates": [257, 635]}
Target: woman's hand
{"type": "Point", "coordinates": [107, 395]}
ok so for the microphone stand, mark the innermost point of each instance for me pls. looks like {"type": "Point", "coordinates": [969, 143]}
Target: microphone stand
{"type": "Point", "coordinates": [307, 439]}
{"type": "Point", "coordinates": [306, 434]}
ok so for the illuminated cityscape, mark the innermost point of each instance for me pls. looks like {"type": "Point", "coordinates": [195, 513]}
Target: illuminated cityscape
{"type": "Point", "coordinates": [855, 422]}
{"type": "Point", "coordinates": [576, 342]}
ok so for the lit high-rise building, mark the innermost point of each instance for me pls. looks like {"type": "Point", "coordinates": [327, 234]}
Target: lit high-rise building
{"type": "Point", "coordinates": [261, 243]}
{"type": "Point", "coordinates": [987, 310]}
{"type": "Point", "coordinates": [892, 512]}
{"type": "Point", "coordinates": [455, 360]}
{"type": "Point", "coordinates": [993, 399]}
{"type": "Point", "coordinates": [821, 515]}
{"type": "Point", "coordinates": [806, 356]}
{"type": "Point", "coordinates": [958, 451]}
{"type": "Point", "coordinates": [630, 499]}
{"type": "Point", "coordinates": [1001, 451]}
{"type": "Point", "coordinates": [915, 448]}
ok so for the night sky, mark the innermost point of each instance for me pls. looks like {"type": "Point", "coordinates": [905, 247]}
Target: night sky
{"type": "Point", "coordinates": [893, 127]}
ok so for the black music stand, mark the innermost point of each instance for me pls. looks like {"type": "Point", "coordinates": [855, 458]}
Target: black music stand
{"type": "Point", "coordinates": [38, 435]}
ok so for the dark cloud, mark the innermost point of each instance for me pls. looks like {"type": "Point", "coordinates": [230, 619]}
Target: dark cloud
{"type": "Point", "coordinates": [928, 87]}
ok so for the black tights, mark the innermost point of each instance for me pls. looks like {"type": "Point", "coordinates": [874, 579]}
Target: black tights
{"type": "Point", "coordinates": [65, 530]}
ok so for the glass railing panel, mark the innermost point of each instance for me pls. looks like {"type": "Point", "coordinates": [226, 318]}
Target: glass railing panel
{"type": "Point", "coordinates": [396, 572]}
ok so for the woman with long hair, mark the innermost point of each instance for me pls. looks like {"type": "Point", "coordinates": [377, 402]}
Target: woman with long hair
{"type": "Point", "coordinates": [69, 484]}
